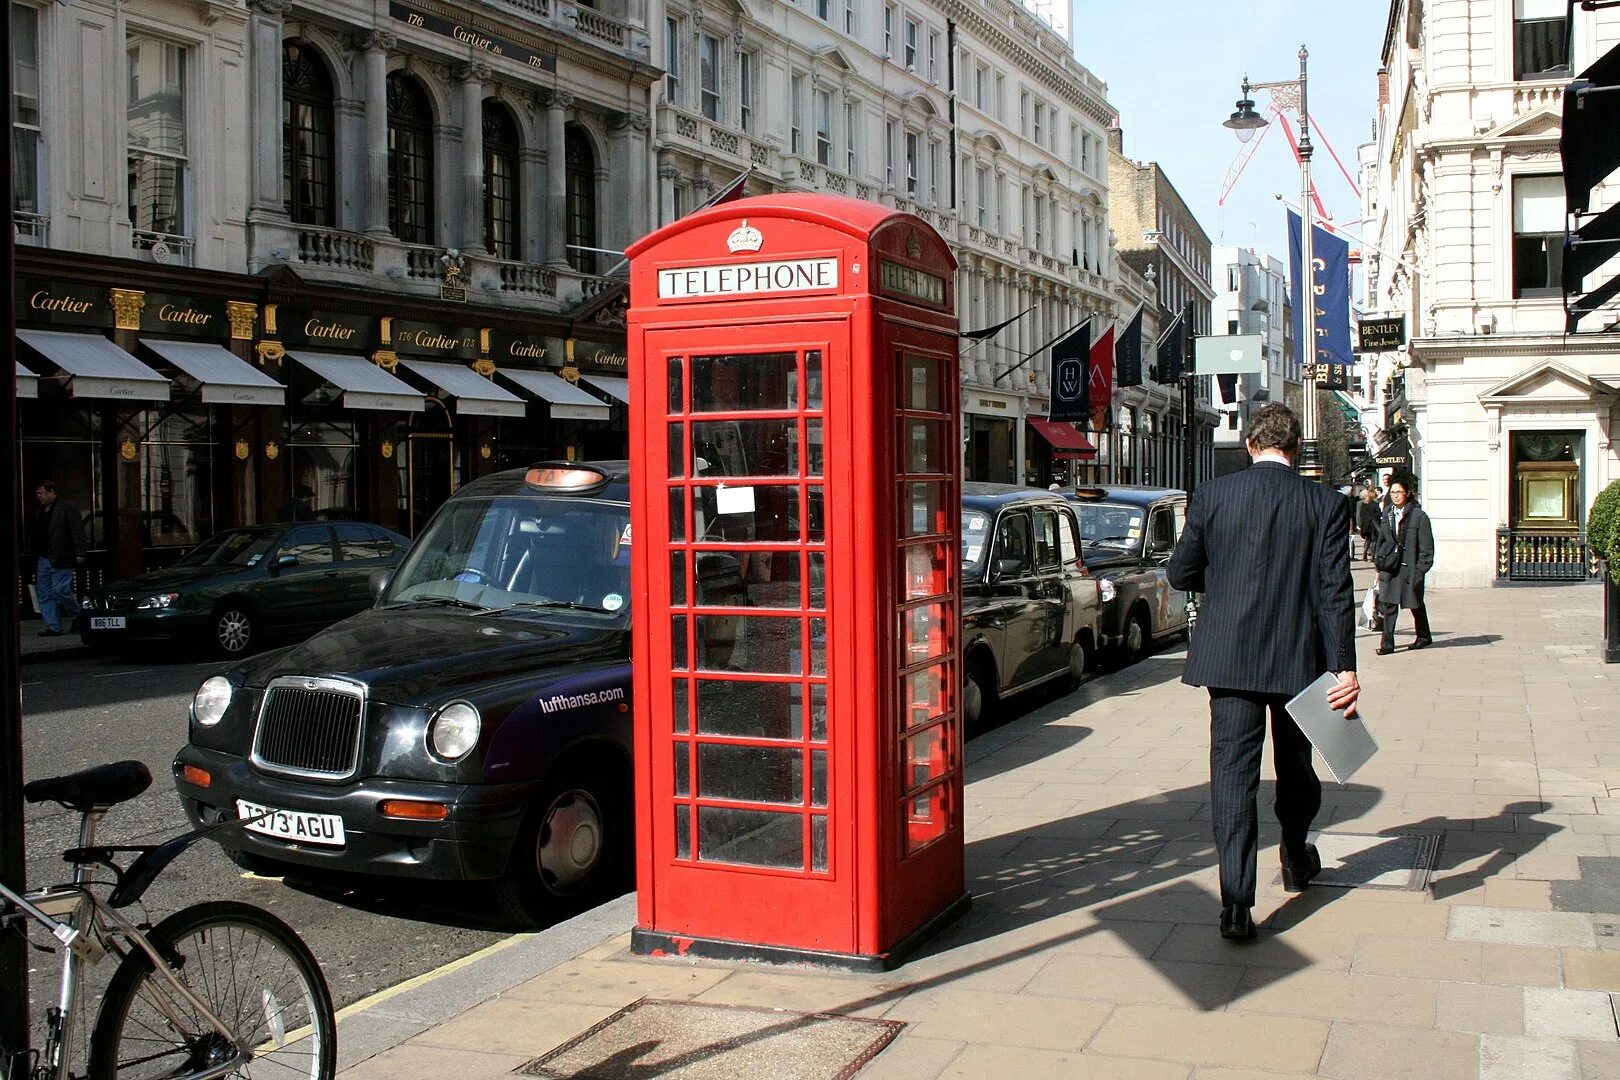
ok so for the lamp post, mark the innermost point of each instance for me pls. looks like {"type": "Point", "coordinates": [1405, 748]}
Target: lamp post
{"type": "Point", "coordinates": [1245, 122]}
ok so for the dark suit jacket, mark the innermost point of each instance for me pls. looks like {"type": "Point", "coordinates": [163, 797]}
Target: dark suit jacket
{"type": "Point", "coordinates": [1266, 548]}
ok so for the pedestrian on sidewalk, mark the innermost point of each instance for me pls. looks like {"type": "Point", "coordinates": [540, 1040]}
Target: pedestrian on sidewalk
{"type": "Point", "coordinates": [1367, 516]}
{"type": "Point", "coordinates": [1406, 527]}
{"type": "Point", "coordinates": [1267, 549]}
{"type": "Point", "coordinates": [56, 539]}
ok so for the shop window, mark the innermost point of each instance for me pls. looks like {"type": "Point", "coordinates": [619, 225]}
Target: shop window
{"type": "Point", "coordinates": [580, 167]}
{"type": "Point", "coordinates": [501, 236]}
{"type": "Point", "coordinates": [1540, 39]}
{"type": "Point", "coordinates": [1546, 479]}
{"type": "Point", "coordinates": [165, 476]}
{"type": "Point", "coordinates": [27, 159]}
{"type": "Point", "coordinates": [410, 160]}
{"type": "Point", "coordinates": [156, 128]}
{"type": "Point", "coordinates": [321, 459]}
{"type": "Point", "coordinates": [1538, 236]}
{"type": "Point", "coordinates": [306, 135]}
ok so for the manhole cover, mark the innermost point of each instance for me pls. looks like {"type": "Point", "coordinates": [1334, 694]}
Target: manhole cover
{"type": "Point", "coordinates": [695, 1041]}
{"type": "Point", "coordinates": [1358, 861]}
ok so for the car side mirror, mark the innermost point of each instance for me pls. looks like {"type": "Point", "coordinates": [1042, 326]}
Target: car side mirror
{"type": "Point", "coordinates": [1009, 567]}
{"type": "Point", "coordinates": [284, 561]}
{"type": "Point", "coordinates": [379, 581]}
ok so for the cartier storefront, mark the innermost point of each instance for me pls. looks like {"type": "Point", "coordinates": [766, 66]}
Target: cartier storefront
{"type": "Point", "coordinates": [169, 403]}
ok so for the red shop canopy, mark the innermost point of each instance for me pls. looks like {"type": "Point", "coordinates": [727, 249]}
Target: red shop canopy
{"type": "Point", "coordinates": [1071, 445]}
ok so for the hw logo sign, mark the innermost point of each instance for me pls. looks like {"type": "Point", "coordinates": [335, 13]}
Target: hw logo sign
{"type": "Point", "coordinates": [1071, 379]}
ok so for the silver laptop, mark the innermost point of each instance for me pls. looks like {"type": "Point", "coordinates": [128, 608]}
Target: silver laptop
{"type": "Point", "coordinates": [1344, 742]}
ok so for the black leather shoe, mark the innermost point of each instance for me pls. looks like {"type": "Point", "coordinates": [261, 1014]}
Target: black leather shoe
{"type": "Point", "coordinates": [1236, 923]}
{"type": "Point", "coordinates": [1297, 873]}
{"type": "Point", "coordinates": [1384, 650]}
{"type": "Point", "coordinates": [1422, 643]}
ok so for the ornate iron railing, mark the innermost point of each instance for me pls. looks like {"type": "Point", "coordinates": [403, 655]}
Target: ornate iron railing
{"type": "Point", "coordinates": [1543, 556]}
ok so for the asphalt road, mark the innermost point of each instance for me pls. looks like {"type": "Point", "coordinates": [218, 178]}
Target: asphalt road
{"type": "Point", "coordinates": [80, 712]}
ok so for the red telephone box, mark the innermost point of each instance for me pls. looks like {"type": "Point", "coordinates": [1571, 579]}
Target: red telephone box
{"type": "Point", "coordinates": [796, 509]}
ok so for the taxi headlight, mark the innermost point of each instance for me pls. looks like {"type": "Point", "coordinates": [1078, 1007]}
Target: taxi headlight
{"type": "Point", "coordinates": [208, 704]}
{"type": "Point", "coordinates": [1107, 591]}
{"type": "Point", "coordinates": [453, 731]}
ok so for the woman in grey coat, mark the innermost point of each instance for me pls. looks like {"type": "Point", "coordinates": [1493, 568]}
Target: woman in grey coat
{"type": "Point", "coordinates": [1409, 526]}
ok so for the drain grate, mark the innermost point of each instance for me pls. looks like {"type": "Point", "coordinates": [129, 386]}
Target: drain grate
{"type": "Point", "coordinates": [688, 1040]}
{"type": "Point", "coordinates": [1359, 861]}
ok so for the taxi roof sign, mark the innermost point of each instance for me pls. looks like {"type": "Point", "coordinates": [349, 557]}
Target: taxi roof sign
{"type": "Point", "coordinates": [564, 476]}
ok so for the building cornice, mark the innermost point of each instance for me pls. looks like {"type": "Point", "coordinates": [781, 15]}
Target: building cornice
{"type": "Point", "coordinates": [1067, 85]}
{"type": "Point", "coordinates": [1511, 344]}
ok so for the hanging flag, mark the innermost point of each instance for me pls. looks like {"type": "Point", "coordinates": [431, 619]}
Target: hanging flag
{"type": "Point", "coordinates": [731, 191]}
{"type": "Point", "coordinates": [1330, 288]}
{"type": "Point", "coordinates": [1228, 388]}
{"type": "Point", "coordinates": [1169, 351]}
{"type": "Point", "coordinates": [1069, 376]}
{"type": "Point", "coordinates": [992, 331]}
{"type": "Point", "coordinates": [1128, 352]}
{"type": "Point", "coordinates": [1100, 380]}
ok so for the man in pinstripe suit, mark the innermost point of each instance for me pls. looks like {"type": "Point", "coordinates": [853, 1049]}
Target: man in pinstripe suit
{"type": "Point", "coordinates": [1266, 548]}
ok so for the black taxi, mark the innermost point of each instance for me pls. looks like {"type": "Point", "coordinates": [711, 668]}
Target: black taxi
{"type": "Point", "coordinates": [1127, 533]}
{"type": "Point", "coordinates": [1030, 606]}
{"type": "Point", "coordinates": [473, 724]}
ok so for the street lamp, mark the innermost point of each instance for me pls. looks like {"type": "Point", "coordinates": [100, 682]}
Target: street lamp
{"type": "Point", "coordinates": [1245, 122]}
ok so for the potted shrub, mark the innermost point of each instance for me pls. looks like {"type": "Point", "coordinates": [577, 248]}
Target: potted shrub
{"type": "Point", "coordinates": [1603, 535]}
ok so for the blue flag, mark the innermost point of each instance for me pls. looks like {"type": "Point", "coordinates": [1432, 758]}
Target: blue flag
{"type": "Point", "coordinates": [1330, 280]}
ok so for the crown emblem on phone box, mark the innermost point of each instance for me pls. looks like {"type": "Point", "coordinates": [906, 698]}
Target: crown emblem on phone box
{"type": "Point", "coordinates": [744, 238]}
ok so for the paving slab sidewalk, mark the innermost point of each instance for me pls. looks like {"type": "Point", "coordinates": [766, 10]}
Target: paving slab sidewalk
{"type": "Point", "coordinates": [1091, 949]}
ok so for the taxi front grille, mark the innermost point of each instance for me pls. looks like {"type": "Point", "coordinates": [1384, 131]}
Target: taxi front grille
{"type": "Point", "coordinates": [310, 728]}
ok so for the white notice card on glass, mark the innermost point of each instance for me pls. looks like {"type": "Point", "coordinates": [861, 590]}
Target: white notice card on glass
{"type": "Point", "coordinates": [1343, 741]}
{"type": "Point", "coordinates": [733, 500]}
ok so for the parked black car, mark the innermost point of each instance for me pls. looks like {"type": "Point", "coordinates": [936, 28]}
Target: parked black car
{"type": "Point", "coordinates": [473, 725]}
{"type": "Point", "coordinates": [1030, 606]}
{"type": "Point", "coordinates": [241, 586]}
{"type": "Point", "coordinates": [1127, 534]}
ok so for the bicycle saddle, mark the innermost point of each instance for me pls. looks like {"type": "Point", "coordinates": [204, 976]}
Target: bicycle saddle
{"type": "Point", "coordinates": [103, 786]}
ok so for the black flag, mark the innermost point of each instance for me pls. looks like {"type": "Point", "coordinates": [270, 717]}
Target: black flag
{"type": "Point", "coordinates": [1071, 375]}
{"type": "Point", "coordinates": [1128, 352]}
{"type": "Point", "coordinates": [1170, 351]}
{"type": "Point", "coordinates": [992, 331]}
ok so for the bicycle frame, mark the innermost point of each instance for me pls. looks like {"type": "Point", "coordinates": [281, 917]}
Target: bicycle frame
{"type": "Point", "coordinates": [84, 924]}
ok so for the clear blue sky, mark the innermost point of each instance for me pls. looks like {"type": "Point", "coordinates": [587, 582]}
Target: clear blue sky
{"type": "Point", "coordinates": [1174, 68]}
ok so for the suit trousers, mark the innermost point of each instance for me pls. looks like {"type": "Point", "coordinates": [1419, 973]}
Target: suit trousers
{"type": "Point", "coordinates": [1237, 736]}
{"type": "Point", "coordinates": [1388, 613]}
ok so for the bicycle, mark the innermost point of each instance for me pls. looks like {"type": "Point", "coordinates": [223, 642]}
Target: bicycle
{"type": "Point", "coordinates": [217, 989]}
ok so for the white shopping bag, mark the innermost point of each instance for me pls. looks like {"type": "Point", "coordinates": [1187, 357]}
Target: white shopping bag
{"type": "Point", "coordinates": [1369, 606]}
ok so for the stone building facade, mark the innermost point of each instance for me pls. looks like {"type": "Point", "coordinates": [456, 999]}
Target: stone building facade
{"type": "Point", "coordinates": [355, 249]}
{"type": "Point", "coordinates": [1157, 230]}
{"type": "Point", "coordinates": [1508, 423]}
{"type": "Point", "coordinates": [855, 97]}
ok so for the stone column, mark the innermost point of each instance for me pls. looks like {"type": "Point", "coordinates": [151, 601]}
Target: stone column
{"type": "Point", "coordinates": [472, 77]}
{"type": "Point", "coordinates": [264, 64]}
{"type": "Point", "coordinates": [376, 44]}
{"type": "Point", "coordinates": [532, 175]}
{"type": "Point", "coordinates": [557, 178]}
{"type": "Point", "coordinates": [614, 227]}
{"type": "Point", "coordinates": [667, 175]}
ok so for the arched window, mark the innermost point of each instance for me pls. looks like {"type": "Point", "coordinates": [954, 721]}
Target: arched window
{"type": "Point", "coordinates": [410, 160]}
{"type": "Point", "coordinates": [306, 135]}
{"type": "Point", "coordinates": [581, 176]}
{"type": "Point", "coordinates": [501, 236]}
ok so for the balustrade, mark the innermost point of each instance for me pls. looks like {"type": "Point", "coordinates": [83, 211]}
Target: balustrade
{"type": "Point", "coordinates": [1543, 556]}
{"type": "Point", "coordinates": [332, 247]}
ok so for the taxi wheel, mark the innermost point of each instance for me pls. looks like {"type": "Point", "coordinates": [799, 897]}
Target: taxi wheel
{"type": "Point", "coordinates": [572, 851]}
{"type": "Point", "coordinates": [1079, 663]}
{"type": "Point", "coordinates": [1138, 638]}
{"type": "Point", "coordinates": [978, 695]}
{"type": "Point", "coordinates": [233, 630]}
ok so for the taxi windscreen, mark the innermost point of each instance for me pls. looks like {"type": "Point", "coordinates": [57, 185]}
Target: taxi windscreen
{"type": "Point", "coordinates": [519, 552]}
{"type": "Point", "coordinates": [1110, 525]}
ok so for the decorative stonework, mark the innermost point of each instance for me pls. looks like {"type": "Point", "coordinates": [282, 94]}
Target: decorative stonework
{"type": "Point", "coordinates": [127, 305]}
{"type": "Point", "coordinates": [275, 8]}
{"type": "Point", "coordinates": [473, 72]}
{"type": "Point", "coordinates": [243, 317]}
{"type": "Point", "coordinates": [270, 352]}
{"type": "Point", "coordinates": [375, 39]}
{"type": "Point", "coordinates": [485, 367]}
{"type": "Point", "coordinates": [386, 359]}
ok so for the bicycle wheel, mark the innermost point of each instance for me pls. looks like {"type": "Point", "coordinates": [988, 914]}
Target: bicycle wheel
{"type": "Point", "coordinates": [250, 969]}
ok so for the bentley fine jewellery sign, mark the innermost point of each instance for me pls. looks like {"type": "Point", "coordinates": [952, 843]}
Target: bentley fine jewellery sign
{"type": "Point", "coordinates": [1381, 335]}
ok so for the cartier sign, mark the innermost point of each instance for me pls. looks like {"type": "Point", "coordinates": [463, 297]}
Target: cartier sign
{"type": "Point", "coordinates": [433, 339]}
{"type": "Point", "coordinates": [333, 330]}
{"type": "Point", "coordinates": [488, 41]}
{"type": "Point", "coordinates": [52, 303]}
